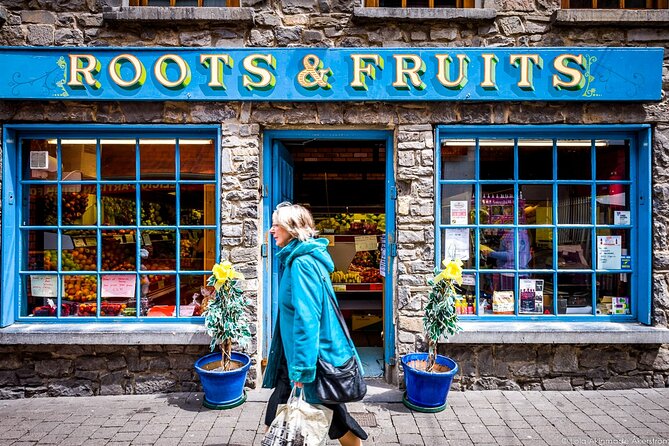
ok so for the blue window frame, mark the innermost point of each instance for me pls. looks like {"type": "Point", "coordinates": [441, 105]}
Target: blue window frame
{"type": "Point", "coordinates": [108, 223]}
{"type": "Point", "coordinates": [551, 222]}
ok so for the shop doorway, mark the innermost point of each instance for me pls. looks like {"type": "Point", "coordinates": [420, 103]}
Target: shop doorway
{"type": "Point", "coordinates": [346, 180]}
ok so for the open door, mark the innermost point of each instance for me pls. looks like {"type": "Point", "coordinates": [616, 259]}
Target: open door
{"type": "Point", "coordinates": [281, 190]}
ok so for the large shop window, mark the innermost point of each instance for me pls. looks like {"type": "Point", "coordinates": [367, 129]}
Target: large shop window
{"type": "Point", "coordinates": [614, 4]}
{"type": "Point", "coordinates": [549, 225]}
{"type": "Point", "coordinates": [182, 3]}
{"type": "Point", "coordinates": [424, 3]}
{"type": "Point", "coordinates": [113, 227]}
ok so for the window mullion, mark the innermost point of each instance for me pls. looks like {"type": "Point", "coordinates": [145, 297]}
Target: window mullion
{"type": "Point", "coordinates": [593, 221]}
{"type": "Point", "coordinates": [554, 228]}
{"type": "Point", "coordinates": [177, 234]}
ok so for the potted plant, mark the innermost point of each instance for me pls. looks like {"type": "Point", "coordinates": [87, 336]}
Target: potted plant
{"type": "Point", "coordinates": [223, 373]}
{"type": "Point", "coordinates": [428, 376]}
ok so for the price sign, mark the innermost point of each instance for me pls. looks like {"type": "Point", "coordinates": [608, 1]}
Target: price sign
{"type": "Point", "coordinates": [78, 242]}
{"type": "Point", "coordinates": [118, 285]}
{"type": "Point", "coordinates": [43, 286]}
{"type": "Point", "coordinates": [186, 310]}
{"type": "Point", "coordinates": [339, 287]}
{"type": "Point", "coordinates": [366, 243]}
{"type": "Point", "coordinates": [91, 241]}
{"type": "Point", "coordinates": [129, 238]}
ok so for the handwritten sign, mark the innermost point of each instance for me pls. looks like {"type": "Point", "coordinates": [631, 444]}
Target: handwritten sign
{"type": "Point", "coordinates": [609, 252]}
{"type": "Point", "coordinates": [43, 286]}
{"type": "Point", "coordinates": [366, 243]}
{"type": "Point", "coordinates": [118, 285]}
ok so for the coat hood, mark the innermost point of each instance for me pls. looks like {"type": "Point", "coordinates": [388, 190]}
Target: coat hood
{"type": "Point", "coordinates": [315, 247]}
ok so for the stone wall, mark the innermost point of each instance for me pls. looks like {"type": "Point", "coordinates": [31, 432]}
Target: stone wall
{"type": "Point", "coordinates": [559, 367]}
{"type": "Point", "coordinates": [85, 370]}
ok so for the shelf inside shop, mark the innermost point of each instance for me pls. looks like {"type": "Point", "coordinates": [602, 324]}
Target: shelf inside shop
{"type": "Point", "coordinates": [357, 287]}
{"type": "Point", "coordinates": [360, 305]}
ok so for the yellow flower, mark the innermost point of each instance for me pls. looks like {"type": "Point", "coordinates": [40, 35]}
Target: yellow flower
{"type": "Point", "coordinates": [224, 272]}
{"type": "Point", "coordinates": [452, 271]}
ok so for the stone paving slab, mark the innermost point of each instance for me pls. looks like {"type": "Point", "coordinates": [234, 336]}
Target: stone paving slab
{"type": "Point", "coordinates": [481, 418]}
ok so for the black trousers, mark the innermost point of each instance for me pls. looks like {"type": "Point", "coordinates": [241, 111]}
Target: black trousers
{"type": "Point", "coordinates": [342, 421]}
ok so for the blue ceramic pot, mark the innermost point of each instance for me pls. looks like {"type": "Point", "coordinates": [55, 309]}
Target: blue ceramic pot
{"type": "Point", "coordinates": [428, 390]}
{"type": "Point", "coordinates": [223, 388]}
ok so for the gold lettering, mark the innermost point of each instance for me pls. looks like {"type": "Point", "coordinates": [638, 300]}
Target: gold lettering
{"type": "Point", "coordinates": [576, 79]}
{"type": "Point", "coordinates": [267, 80]}
{"type": "Point", "coordinates": [360, 69]}
{"type": "Point", "coordinates": [215, 63]}
{"type": "Point", "coordinates": [489, 71]}
{"type": "Point", "coordinates": [115, 71]}
{"type": "Point", "coordinates": [527, 62]}
{"type": "Point", "coordinates": [444, 71]}
{"type": "Point", "coordinates": [80, 73]}
{"type": "Point", "coordinates": [413, 72]}
{"type": "Point", "coordinates": [160, 71]}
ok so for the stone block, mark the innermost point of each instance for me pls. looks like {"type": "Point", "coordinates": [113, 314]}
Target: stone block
{"type": "Point", "coordinates": [73, 37]}
{"type": "Point", "coordinates": [90, 20]}
{"type": "Point", "coordinates": [267, 18]}
{"type": "Point", "coordinates": [53, 367]}
{"type": "Point", "coordinates": [261, 37]}
{"type": "Point", "coordinates": [195, 38]}
{"type": "Point", "coordinates": [159, 363]}
{"type": "Point", "coordinates": [514, 5]}
{"type": "Point", "coordinates": [621, 382]}
{"type": "Point", "coordinates": [154, 384]}
{"type": "Point", "coordinates": [313, 36]}
{"type": "Point", "coordinates": [411, 324]}
{"type": "Point", "coordinates": [8, 378]}
{"type": "Point", "coordinates": [562, 383]}
{"type": "Point", "coordinates": [91, 363]}
{"type": "Point", "coordinates": [10, 362]}
{"type": "Point", "coordinates": [298, 6]}
{"type": "Point", "coordinates": [39, 17]}
{"type": "Point", "coordinates": [511, 26]}
{"type": "Point", "coordinates": [40, 35]}
{"type": "Point", "coordinates": [70, 387]}
{"type": "Point", "coordinates": [565, 359]}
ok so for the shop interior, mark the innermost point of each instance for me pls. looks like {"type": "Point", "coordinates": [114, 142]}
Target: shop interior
{"type": "Point", "coordinates": [343, 184]}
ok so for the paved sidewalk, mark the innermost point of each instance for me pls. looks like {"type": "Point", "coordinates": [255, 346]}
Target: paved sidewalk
{"type": "Point", "coordinates": [625, 417]}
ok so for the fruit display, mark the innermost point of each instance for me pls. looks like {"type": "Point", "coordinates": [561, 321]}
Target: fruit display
{"type": "Point", "coordinates": [80, 288]}
{"type": "Point", "coordinates": [118, 211]}
{"type": "Point", "coordinates": [49, 310]}
{"type": "Point", "coordinates": [118, 250]}
{"type": "Point", "coordinates": [79, 259]}
{"type": "Point", "coordinates": [368, 275]}
{"type": "Point", "coordinates": [75, 204]}
{"type": "Point", "coordinates": [191, 217]}
{"type": "Point", "coordinates": [346, 223]}
{"type": "Point", "coordinates": [348, 277]}
{"type": "Point", "coordinates": [107, 309]}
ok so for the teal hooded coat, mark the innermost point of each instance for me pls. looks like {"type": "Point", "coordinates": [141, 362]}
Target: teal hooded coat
{"type": "Point", "coordinates": [307, 323]}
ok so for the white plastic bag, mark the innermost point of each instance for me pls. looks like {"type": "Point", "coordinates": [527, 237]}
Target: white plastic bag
{"type": "Point", "coordinates": [299, 423]}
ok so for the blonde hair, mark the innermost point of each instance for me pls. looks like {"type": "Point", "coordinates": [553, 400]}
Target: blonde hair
{"type": "Point", "coordinates": [295, 219]}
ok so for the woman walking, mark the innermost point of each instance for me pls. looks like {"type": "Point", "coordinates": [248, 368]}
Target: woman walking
{"type": "Point", "coordinates": [307, 327]}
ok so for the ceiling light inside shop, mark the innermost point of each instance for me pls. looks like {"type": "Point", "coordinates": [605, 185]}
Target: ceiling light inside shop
{"type": "Point", "coordinates": [521, 143]}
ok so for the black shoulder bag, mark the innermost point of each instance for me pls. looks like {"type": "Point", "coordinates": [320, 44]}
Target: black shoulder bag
{"type": "Point", "coordinates": [342, 384]}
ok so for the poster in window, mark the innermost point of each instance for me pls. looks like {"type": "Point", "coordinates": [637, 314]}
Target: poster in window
{"type": "Point", "coordinates": [609, 252]}
{"type": "Point", "coordinates": [458, 212]}
{"type": "Point", "coordinates": [502, 302]}
{"type": "Point", "coordinates": [456, 244]}
{"type": "Point", "coordinates": [531, 295]}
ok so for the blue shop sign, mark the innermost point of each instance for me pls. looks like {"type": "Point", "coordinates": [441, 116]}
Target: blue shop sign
{"type": "Point", "coordinates": [332, 74]}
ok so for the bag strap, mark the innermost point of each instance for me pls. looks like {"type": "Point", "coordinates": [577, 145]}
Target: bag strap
{"type": "Point", "coordinates": [337, 311]}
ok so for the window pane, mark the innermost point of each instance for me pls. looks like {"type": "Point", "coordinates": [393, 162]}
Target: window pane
{"type": "Point", "coordinates": [161, 298]}
{"type": "Point", "coordinates": [497, 248]}
{"type": "Point", "coordinates": [496, 206]}
{"type": "Point", "coordinates": [456, 204]}
{"type": "Point", "coordinates": [218, 3]}
{"type": "Point", "coordinates": [157, 159]}
{"type": "Point", "coordinates": [613, 247]}
{"type": "Point", "coordinates": [458, 243]}
{"type": "Point", "coordinates": [37, 289]}
{"type": "Point", "coordinates": [118, 295]}
{"type": "Point", "coordinates": [198, 204]}
{"type": "Point", "coordinates": [458, 159]}
{"type": "Point", "coordinates": [390, 3]}
{"type": "Point", "coordinates": [42, 249]}
{"type": "Point", "coordinates": [613, 205]}
{"type": "Point", "coordinates": [535, 205]}
{"type": "Point", "coordinates": [80, 251]}
{"type": "Point", "coordinates": [119, 250]}
{"type": "Point", "coordinates": [39, 205]}
{"type": "Point", "coordinates": [418, 3]}
{"type": "Point", "coordinates": [117, 159]}
{"type": "Point", "coordinates": [613, 160]}
{"type": "Point", "coordinates": [158, 204]}
{"type": "Point", "coordinates": [197, 159]}
{"type": "Point", "coordinates": [161, 250]}
{"type": "Point", "coordinates": [574, 161]}
{"type": "Point", "coordinates": [118, 204]}
{"type": "Point", "coordinates": [613, 294]}
{"type": "Point", "coordinates": [574, 294]}
{"type": "Point", "coordinates": [79, 159]}
{"type": "Point", "coordinates": [40, 159]}
{"type": "Point", "coordinates": [466, 305]}
{"type": "Point", "coordinates": [609, 4]}
{"type": "Point", "coordinates": [79, 204]}
{"type": "Point", "coordinates": [497, 295]}
{"type": "Point", "coordinates": [197, 249]}
{"type": "Point", "coordinates": [496, 158]}
{"type": "Point", "coordinates": [535, 159]}
{"type": "Point", "coordinates": [81, 289]}
{"type": "Point", "coordinates": [535, 298]}
{"type": "Point", "coordinates": [580, 4]}
{"type": "Point", "coordinates": [574, 249]}
{"type": "Point", "coordinates": [574, 204]}
{"type": "Point", "coordinates": [191, 295]}
{"type": "Point", "coordinates": [540, 253]}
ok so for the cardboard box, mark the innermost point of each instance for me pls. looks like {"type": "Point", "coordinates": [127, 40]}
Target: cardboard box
{"type": "Point", "coordinates": [359, 321]}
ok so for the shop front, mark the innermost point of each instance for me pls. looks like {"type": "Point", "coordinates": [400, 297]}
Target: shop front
{"type": "Point", "coordinates": [129, 172]}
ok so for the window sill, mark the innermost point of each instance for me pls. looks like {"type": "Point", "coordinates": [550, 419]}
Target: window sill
{"type": "Point", "coordinates": [612, 17]}
{"type": "Point", "coordinates": [105, 334]}
{"type": "Point", "coordinates": [559, 333]}
{"type": "Point", "coordinates": [181, 14]}
{"type": "Point", "coordinates": [363, 14]}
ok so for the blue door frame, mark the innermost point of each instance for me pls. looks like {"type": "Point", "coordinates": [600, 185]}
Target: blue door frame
{"type": "Point", "coordinates": [270, 200]}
